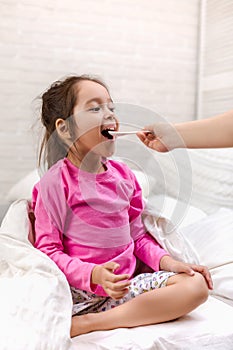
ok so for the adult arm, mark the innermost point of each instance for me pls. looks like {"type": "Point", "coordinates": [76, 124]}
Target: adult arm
{"type": "Point", "coordinates": [214, 132]}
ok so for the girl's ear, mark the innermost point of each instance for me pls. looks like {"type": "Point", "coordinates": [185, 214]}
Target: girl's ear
{"type": "Point", "coordinates": [62, 129]}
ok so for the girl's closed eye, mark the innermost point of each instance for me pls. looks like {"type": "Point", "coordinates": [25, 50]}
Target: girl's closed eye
{"type": "Point", "coordinates": [112, 108]}
{"type": "Point", "coordinates": [98, 108]}
{"type": "Point", "coordinates": [94, 109]}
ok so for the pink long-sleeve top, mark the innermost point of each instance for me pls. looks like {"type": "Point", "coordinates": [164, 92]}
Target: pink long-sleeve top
{"type": "Point", "coordinates": [85, 219]}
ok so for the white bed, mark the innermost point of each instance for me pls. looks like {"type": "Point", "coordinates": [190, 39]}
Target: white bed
{"type": "Point", "coordinates": [36, 304]}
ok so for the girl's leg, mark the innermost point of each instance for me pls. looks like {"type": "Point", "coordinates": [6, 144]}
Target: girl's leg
{"type": "Point", "coordinates": [182, 294]}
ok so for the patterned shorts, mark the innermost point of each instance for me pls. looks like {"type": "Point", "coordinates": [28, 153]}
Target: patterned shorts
{"type": "Point", "coordinates": [86, 302]}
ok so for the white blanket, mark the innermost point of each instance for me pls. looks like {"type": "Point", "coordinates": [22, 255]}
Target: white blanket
{"type": "Point", "coordinates": [35, 300]}
{"type": "Point", "coordinates": [36, 303]}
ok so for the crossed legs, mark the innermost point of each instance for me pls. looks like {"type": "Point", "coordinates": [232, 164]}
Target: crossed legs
{"type": "Point", "coordinates": [182, 294]}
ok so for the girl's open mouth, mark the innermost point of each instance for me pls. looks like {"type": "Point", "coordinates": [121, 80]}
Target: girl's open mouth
{"type": "Point", "coordinates": [105, 132]}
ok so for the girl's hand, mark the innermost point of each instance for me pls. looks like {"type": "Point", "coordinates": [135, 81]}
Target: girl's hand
{"type": "Point", "coordinates": [104, 275]}
{"type": "Point", "coordinates": [169, 264]}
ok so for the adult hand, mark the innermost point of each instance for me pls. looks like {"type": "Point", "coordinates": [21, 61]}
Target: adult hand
{"type": "Point", "coordinates": [104, 275]}
{"type": "Point", "coordinates": [162, 137]}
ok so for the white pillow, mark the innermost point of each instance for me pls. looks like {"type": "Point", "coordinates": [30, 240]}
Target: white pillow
{"type": "Point", "coordinates": [167, 233]}
{"type": "Point", "coordinates": [223, 282]}
{"type": "Point", "coordinates": [23, 188]}
{"type": "Point", "coordinates": [16, 221]}
{"type": "Point", "coordinates": [180, 213]}
{"type": "Point", "coordinates": [212, 238]}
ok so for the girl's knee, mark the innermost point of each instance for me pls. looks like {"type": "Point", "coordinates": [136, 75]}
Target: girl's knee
{"type": "Point", "coordinates": [199, 288]}
{"type": "Point", "coordinates": [195, 286]}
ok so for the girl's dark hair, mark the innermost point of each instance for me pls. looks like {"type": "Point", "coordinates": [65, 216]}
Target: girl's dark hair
{"type": "Point", "coordinates": [59, 102]}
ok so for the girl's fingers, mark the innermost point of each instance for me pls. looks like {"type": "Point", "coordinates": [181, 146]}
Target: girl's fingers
{"type": "Point", "coordinates": [209, 282]}
{"type": "Point", "coordinates": [117, 286]}
{"type": "Point", "coordinates": [117, 278]}
{"type": "Point", "coordinates": [190, 272]}
{"type": "Point", "coordinates": [179, 266]}
{"type": "Point", "coordinates": [205, 272]}
{"type": "Point", "coordinates": [117, 295]}
{"type": "Point", "coordinates": [208, 278]}
{"type": "Point", "coordinates": [111, 266]}
{"type": "Point", "coordinates": [191, 268]}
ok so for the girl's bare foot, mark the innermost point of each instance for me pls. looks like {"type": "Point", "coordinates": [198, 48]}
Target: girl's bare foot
{"type": "Point", "coordinates": [81, 324]}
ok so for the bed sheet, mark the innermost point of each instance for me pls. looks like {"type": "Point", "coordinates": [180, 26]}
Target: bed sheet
{"type": "Point", "coordinates": [207, 327]}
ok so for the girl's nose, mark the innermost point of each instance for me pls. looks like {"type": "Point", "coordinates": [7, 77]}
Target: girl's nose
{"type": "Point", "coordinates": [108, 113]}
{"type": "Point", "coordinates": [109, 116]}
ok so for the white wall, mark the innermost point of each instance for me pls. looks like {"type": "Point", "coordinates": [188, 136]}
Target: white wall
{"type": "Point", "coordinates": [216, 79]}
{"type": "Point", "coordinates": [145, 50]}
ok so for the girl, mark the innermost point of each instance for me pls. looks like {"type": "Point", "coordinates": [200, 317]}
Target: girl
{"type": "Point", "coordinates": [88, 220]}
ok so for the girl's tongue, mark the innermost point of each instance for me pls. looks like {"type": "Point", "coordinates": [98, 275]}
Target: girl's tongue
{"type": "Point", "coordinates": [106, 134]}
